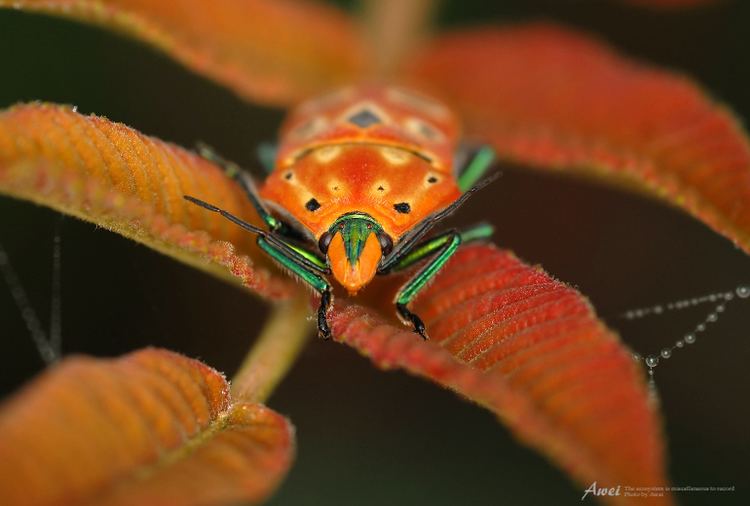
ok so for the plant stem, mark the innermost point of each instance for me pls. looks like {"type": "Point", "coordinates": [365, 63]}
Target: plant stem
{"type": "Point", "coordinates": [273, 354]}
{"type": "Point", "coordinates": [395, 28]}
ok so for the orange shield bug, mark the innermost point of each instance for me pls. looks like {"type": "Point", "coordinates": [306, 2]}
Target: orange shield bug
{"type": "Point", "coordinates": [359, 179]}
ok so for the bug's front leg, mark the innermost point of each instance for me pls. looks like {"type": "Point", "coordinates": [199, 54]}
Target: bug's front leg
{"type": "Point", "coordinates": [306, 264]}
{"type": "Point", "coordinates": [440, 248]}
{"type": "Point", "coordinates": [303, 267]}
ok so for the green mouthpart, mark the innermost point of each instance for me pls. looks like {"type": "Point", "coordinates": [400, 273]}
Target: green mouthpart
{"type": "Point", "coordinates": [355, 228]}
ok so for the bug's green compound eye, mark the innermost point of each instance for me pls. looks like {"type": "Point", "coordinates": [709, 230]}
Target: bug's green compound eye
{"type": "Point", "coordinates": [312, 205]}
{"type": "Point", "coordinates": [402, 207]}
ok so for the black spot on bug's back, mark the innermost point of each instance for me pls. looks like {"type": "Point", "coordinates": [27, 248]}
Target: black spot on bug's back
{"type": "Point", "coordinates": [364, 118]}
{"type": "Point", "coordinates": [402, 207]}
{"type": "Point", "coordinates": [432, 179]}
{"type": "Point", "coordinates": [312, 205]}
{"type": "Point", "coordinates": [288, 176]}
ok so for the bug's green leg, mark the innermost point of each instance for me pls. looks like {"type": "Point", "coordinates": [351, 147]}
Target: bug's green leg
{"type": "Point", "coordinates": [475, 167]}
{"type": "Point", "coordinates": [302, 262]}
{"type": "Point", "coordinates": [234, 171]}
{"type": "Point", "coordinates": [442, 247]}
{"type": "Point", "coordinates": [424, 249]}
{"type": "Point", "coordinates": [318, 283]}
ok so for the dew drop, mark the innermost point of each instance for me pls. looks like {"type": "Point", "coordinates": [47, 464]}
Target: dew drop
{"type": "Point", "coordinates": [728, 296]}
{"type": "Point", "coordinates": [690, 338]}
{"type": "Point", "coordinates": [700, 327]}
{"type": "Point", "coordinates": [743, 292]}
{"type": "Point", "coordinates": [658, 309]}
{"type": "Point", "coordinates": [720, 308]}
{"type": "Point", "coordinates": [666, 353]}
{"type": "Point", "coordinates": [637, 357]}
{"type": "Point", "coordinates": [652, 361]}
{"type": "Point", "coordinates": [712, 317]}
{"type": "Point", "coordinates": [679, 344]}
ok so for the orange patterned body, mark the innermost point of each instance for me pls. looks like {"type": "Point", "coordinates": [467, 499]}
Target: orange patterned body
{"type": "Point", "coordinates": [365, 149]}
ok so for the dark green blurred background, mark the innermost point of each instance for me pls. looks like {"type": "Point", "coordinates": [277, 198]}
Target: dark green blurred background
{"type": "Point", "coordinates": [368, 437]}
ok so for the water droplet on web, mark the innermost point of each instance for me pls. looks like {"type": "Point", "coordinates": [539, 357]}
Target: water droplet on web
{"type": "Point", "coordinates": [720, 301]}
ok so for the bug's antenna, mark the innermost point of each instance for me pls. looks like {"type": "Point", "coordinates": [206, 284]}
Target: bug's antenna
{"type": "Point", "coordinates": [46, 351]}
{"type": "Point", "coordinates": [234, 219]}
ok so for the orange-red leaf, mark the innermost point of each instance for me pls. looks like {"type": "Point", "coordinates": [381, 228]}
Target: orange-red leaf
{"type": "Point", "coordinates": [558, 100]}
{"type": "Point", "coordinates": [111, 175]}
{"type": "Point", "coordinates": [530, 349]}
{"type": "Point", "coordinates": [150, 428]}
{"type": "Point", "coordinates": [272, 51]}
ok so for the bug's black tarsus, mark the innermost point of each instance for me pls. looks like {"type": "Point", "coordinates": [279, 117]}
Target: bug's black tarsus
{"type": "Point", "coordinates": [415, 320]}
{"type": "Point", "coordinates": [324, 331]}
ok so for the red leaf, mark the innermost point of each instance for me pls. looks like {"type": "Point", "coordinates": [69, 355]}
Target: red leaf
{"type": "Point", "coordinates": [531, 350]}
{"type": "Point", "coordinates": [150, 428]}
{"type": "Point", "coordinates": [132, 184]}
{"type": "Point", "coordinates": [554, 99]}
{"type": "Point", "coordinates": [271, 51]}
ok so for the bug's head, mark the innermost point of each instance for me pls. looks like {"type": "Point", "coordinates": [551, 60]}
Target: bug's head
{"type": "Point", "coordinates": [354, 244]}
